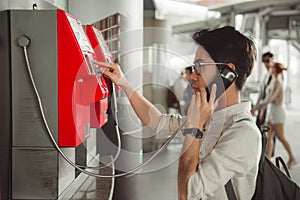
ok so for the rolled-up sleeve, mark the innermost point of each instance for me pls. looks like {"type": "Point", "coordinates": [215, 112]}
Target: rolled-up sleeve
{"type": "Point", "coordinates": [168, 124]}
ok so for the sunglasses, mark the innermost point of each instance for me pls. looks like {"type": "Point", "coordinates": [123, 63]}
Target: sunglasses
{"type": "Point", "coordinates": [197, 66]}
{"type": "Point", "coordinates": [266, 61]}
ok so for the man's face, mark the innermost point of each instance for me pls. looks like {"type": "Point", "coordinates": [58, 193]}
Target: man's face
{"type": "Point", "coordinates": [205, 73]}
{"type": "Point", "coordinates": [267, 60]}
{"type": "Point", "coordinates": [188, 76]}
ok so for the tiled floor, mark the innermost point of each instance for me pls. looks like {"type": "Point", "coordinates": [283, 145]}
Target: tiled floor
{"type": "Point", "coordinates": [86, 187]}
{"type": "Point", "coordinates": [292, 135]}
{"type": "Point", "coordinates": [158, 180]}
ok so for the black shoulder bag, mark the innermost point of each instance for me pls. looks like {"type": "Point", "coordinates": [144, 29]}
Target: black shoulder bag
{"type": "Point", "coordinates": [271, 182]}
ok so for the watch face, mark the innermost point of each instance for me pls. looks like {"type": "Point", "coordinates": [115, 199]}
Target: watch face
{"type": "Point", "coordinates": [199, 134]}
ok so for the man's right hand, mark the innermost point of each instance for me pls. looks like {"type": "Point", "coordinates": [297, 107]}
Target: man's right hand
{"type": "Point", "coordinates": [113, 72]}
{"type": "Point", "coordinates": [200, 109]}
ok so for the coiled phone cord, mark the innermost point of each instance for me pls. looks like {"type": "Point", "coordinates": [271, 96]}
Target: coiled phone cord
{"type": "Point", "coordinates": [24, 41]}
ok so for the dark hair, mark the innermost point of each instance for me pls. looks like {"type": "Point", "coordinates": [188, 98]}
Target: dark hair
{"type": "Point", "coordinates": [189, 69]}
{"type": "Point", "coordinates": [230, 46]}
{"type": "Point", "coordinates": [269, 54]}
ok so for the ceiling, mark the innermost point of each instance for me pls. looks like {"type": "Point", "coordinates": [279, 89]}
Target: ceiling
{"type": "Point", "coordinates": [282, 17]}
{"type": "Point", "coordinates": [202, 2]}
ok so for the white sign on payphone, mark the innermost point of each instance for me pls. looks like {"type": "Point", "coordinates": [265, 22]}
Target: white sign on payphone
{"type": "Point", "coordinates": [103, 45]}
{"type": "Point", "coordinates": [80, 35]}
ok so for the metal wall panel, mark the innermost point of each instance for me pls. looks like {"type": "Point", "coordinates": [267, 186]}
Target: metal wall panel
{"type": "Point", "coordinates": [28, 126]}
{"type": "Point", "coordinates": [35, 173]}
{"type": "Point", "coordinates": [27, 4]}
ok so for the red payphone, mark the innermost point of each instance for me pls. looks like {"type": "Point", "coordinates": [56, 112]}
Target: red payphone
{"type": "Point", "coordinates": [79, 81]}
{"type": "Point", "coordinates": [102, 53]}
{"type": "Point", "coordinates": [48, 80]}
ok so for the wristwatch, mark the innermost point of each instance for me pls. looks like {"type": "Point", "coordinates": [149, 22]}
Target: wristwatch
{"type": "Point", "coordinates": [195, 132]}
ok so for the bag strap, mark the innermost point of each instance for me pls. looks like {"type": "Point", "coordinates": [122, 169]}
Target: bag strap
{"type": "Point", "coordinates": [263, 129]}
{"type": "Point", "coordinates": [280, 160]}
{"type": "Point", "coordinates": [229, 187]}
{"type": "Point", "coordinates": [229, 191]}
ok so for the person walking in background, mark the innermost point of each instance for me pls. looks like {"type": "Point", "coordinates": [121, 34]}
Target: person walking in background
{"type": "Point", "coordinates": [267, 59]}
{"type": "Point", "coordinates": [175, 94]}
{"type": "Point", "coordinates": [275, 119]}
{"type": "Point", "coordinates": [188, 92]}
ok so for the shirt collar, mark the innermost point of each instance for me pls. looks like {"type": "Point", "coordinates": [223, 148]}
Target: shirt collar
{"type": "Point", "coordinates": [232, 110]}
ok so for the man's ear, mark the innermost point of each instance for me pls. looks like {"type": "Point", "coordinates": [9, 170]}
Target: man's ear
{"type": "Point", "coordinates": [231, 65]}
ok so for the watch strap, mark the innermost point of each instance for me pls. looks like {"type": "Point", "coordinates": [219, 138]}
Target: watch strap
{"type": "Point", "coordinates": [195, 132]}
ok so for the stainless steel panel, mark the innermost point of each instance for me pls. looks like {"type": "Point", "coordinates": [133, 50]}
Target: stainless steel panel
{"type": "Point", "coordinates": [66, 171]}
{"type": "Point", "coordinates": [35, 173]}
{"type": "Point", "coordinates": [91, 146]}
{"type": "Point", "coordinates": [80, 156]}
{"type": "Point", "coordinates": [28, 126]}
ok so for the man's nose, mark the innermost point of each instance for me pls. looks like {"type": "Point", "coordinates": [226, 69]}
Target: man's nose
{"type": "Point", "coordinates": [194, 76]}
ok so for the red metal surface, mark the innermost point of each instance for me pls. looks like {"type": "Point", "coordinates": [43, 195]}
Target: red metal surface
{"type": "Point", "coordinates": [77, 89]}
{"type": "Point", "coordinates": [98, 113]}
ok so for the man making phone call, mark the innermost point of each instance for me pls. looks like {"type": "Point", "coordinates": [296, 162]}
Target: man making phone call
{"type": "Point", "coordinates": [221, 141]}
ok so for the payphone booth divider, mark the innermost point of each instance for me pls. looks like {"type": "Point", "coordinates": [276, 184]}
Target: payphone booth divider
{"type": "Point", "coordinates": [99, 108]}
{"type": "Point", "coordinates": [77, 81]}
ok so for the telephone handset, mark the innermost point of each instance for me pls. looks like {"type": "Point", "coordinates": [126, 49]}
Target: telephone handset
{"type": "Point", "coordinates": [223, 80]}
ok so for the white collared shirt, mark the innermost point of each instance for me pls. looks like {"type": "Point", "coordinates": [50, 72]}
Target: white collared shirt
{"type": "Point", "coordinates": [230, 149]}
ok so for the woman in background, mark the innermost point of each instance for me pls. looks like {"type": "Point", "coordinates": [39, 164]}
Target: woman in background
{"type": "Point", "coordinates": [276, 113]}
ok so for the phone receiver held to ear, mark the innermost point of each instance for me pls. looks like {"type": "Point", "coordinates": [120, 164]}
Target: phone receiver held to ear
{"type": "Point", "coordinates": [223, 80]}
